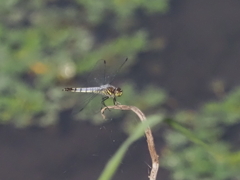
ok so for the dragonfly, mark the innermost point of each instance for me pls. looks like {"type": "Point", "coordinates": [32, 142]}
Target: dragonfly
{"type": "Point", "coordinates": [100, 77]}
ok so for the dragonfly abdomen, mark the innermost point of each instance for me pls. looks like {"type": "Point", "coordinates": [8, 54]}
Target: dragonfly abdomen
{"type": "Point", "coordinates": [84, 90]}
{"type": "Point", "coordinates": [95, 90]}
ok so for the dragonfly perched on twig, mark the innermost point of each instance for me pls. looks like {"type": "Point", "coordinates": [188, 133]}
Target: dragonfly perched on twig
{"type": "Point", "coordinates": [100, 77]}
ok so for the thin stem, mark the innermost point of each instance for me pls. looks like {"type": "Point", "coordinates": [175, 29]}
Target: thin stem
{"type": "Point", "coordinates": [149, 136]}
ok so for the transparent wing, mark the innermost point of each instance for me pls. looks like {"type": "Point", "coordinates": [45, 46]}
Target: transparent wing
{"type": "Point", "coordinates": [116, 67]}
{"type": "Point", "coordinates": [84, 99]}
{"type": "Point", "coordinates": [89, 103]}
{"type": "Point", "coordinates": [98, 74]}
{"type": "Point", "coordinates": [104, 72]}
{"type": "Point", "coordinates": [96, 105]}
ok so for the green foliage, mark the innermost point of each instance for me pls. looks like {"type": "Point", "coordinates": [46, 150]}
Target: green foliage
{"type": "Point", "coordinates": [122, 9]}
{"type": "Point", "coordinates": [44, 45]}
{"type": "Point", "coordinates": [227, 111]}
{"type": "Point", "coordinates": [208, 156]}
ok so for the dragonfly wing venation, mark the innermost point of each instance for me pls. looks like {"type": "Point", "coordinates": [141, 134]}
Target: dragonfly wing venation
{"type": "Point", "coordinates": [104, 72]}
{"type": "Point", "coordinates": [98, 74]}
{"type": "Point", "coordinates": [83, 101]}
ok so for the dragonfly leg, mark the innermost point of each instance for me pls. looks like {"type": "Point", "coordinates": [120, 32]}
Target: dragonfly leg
{"type": "Point", "coordinates": [103, 102]}
{"type": "Point", "coordinates": [115, 102]}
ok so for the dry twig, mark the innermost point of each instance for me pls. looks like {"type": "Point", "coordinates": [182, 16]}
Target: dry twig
{"type": "Point", "coordinates": [148, 133]}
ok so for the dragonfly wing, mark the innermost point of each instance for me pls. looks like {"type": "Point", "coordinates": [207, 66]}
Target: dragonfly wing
{"type": "Point", "coordinates": [105, 72]}
{"type": "Point", "coordinates": [116, 67]}
{"type": "Point", "coordinates": [91, 104]}
{"type": "Point", "coordinates": [98, 74]}
{"type": "Point", "coordinates": [84, 101]}
{"type": "Point", "coordinates": [96, 104]}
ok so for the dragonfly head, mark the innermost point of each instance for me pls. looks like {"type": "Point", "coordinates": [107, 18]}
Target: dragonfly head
{"type": "Point", "coordinates": [118, 92]}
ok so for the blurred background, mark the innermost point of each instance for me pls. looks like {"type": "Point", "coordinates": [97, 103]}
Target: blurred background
{"type": "Point", "coordinates": [184, 61]}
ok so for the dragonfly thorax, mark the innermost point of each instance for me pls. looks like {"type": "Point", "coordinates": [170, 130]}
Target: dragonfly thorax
{"type": "Point", "coordinates": [112, 91]}
{"type": "Point", "coordinates": [118, 92]}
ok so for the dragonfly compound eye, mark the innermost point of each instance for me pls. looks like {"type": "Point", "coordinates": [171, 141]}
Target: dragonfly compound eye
{"type": "Point", "coordinates": [118, 92]}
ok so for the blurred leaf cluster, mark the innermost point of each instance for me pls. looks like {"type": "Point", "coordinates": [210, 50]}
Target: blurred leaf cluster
{"type": "Point", "coordinates": [45, 45]}
{"type": "Point", "coordinates": [203, 150]}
